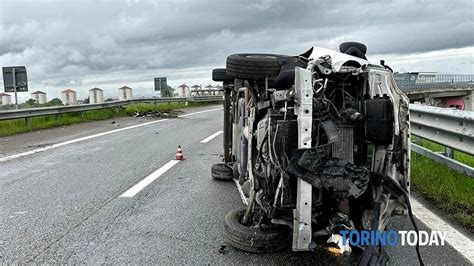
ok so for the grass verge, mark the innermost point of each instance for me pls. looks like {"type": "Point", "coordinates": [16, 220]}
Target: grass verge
{"type": "Point", "coordinates": [447, 189]}
{"type": "Point", "coordinates": [17, 126]}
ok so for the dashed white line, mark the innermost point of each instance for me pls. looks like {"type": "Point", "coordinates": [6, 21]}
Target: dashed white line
{"type": "Point", "coordinates": [49, 147]}
{"type": "Point", "coordinates": [206, 140]}
{"type": "Point", "coordinates": [456, 239]}
{"type": "Point", "coordinates": [148, 180]}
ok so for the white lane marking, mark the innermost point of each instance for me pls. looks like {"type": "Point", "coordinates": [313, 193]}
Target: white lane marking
{"type": "Point", "coordinates": [206, 140]}
{"type": "Point", "coordinates": [200, 112]}
{"type": "Point", "coordinates": [149, 179]}
{"type": "Point", "coordinates": [49, 147]}
{"type": "Point", "coordinates": [456, 239]}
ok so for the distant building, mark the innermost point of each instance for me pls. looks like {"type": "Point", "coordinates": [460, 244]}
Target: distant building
{"type": "Point", "coordinates": [96, 95]}
{"type": "Point", "coordinates": [69, 97]}
{"type": "Point", "coordinates": [219, 89]}
{"type": "Point", "coordinates": [125, 93]}
{"type": "Point", "coordinates": [39, 97]}
{"type": "Point", "coordinates": [209, 89]}
{"type": "Point", "coordinates": [183, 91]}
{"type": "Point", "coordinates": [196, 87]}
{"type": "Point", "coordinates": [196, 90]}
{"type": "Point", "coordinates": [5, 99]}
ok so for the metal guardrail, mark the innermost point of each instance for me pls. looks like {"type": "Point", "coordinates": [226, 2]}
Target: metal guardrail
{"type": "Point", "coordinates": [451, 163]}
{"type": "Point", "coordinates": [57, 110]}
{"type": "Point", "coordinates": [451, 128]}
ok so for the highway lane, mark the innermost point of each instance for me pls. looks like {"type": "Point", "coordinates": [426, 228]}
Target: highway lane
{"type": "Point", "coordinates": [63, 205]}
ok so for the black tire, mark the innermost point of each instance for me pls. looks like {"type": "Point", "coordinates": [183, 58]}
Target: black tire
{"type": "Point", "coordinates": [222, 171]}
{"type": "Point", "coordinates": [220, 75]}
{"type": "Point", "coordinates": [255, 66]}
{"type": "Point", "coordinates": [254, 240]}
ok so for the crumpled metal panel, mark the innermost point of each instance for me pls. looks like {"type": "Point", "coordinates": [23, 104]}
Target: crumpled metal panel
{"type": "Point", "coordinates": [333, 174]}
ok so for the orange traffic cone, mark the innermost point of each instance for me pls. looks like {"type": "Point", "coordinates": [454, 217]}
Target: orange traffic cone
{"type": "Point", "coordinates": [179, 153]}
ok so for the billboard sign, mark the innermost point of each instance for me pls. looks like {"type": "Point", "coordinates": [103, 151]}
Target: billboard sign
{"type": "Point", "coordinates": [15, 77]}
{"type": "Point", "coordinates": [160, 84]}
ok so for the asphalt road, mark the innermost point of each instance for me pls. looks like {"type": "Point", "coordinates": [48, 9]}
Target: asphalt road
{"type": "Point", "coordinates": [63, 205]}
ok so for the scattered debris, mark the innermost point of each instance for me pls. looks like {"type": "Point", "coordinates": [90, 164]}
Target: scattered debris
{"type": "Point", "coordinates": [337, 239]}
{"type": "Point", "coordinates": [160, 114]}
{"type": "Point", "coordinates": [222, 249]}
{"type": "Point", "coordinates": [113, 122]}
{"type": "Point", "coordinates": [40, 145]}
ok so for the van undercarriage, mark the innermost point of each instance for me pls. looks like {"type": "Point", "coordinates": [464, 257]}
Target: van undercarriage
{"type": "Point", "coordinates": [316, 143]}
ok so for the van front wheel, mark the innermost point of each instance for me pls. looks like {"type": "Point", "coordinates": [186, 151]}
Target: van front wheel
{"type": "Point", "coordinates": [253, 239]}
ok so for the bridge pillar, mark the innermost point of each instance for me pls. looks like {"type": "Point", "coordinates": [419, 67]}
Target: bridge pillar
{"type": "Point", "coordinates": [469, 101]}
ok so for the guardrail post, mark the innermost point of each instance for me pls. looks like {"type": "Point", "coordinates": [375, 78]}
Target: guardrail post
{"type": "Point", "coordinates": [58, 117]}
{"type": "Point", "coordinates": [82, 115]}
{"type": "Point", "coordinates": [449, 152]}
{"type": "Point", "coordinates": [28, 122]}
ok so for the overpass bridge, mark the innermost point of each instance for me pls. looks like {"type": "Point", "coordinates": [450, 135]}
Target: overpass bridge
{"type": "Point", "coordinates": [443, 90]}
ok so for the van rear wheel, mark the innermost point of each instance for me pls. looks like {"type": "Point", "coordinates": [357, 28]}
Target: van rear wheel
{"type": "Point", "coordinates": [222, 171]}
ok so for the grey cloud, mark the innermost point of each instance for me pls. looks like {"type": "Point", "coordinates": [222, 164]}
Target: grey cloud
{"type": "Point", "coordinates": [69, 40]}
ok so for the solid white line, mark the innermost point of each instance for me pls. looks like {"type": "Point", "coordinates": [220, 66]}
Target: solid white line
{"type": "Point", "coordinates": [200, 112]}
{"type": "Point", "coordinates": [49, 147]}
{"type": "Point", "coordinates": [206, 140]}
{"type": "Point", "coordinates": [456, 239]}
{"type": "Point", "coordinates": [149, 179]}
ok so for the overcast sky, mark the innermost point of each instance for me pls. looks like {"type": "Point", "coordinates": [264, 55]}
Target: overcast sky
{"type": "Point", "coordinates": [81, 44]}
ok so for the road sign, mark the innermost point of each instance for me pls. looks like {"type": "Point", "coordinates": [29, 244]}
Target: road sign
{"type": "Point", "coordinates": [160, 84]}
{"type": "Point", "coordinates": [15, 78]}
